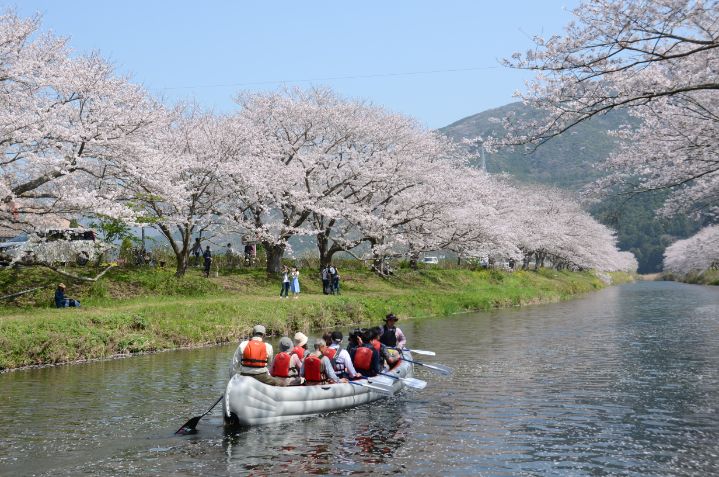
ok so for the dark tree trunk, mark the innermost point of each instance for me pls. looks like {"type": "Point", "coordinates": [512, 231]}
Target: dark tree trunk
{"type": "Point", "coordinates": [274, 257]}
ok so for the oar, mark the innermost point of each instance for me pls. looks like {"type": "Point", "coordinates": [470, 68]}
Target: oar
{"type": "Point", "coordinates": [410, 382]}
{"type": "Point", "coordinates": [189, 426]}
{"type": "Point", "coordinates": [440, 368]}
{"type": "Point", "coordinates": [418, 351]}
{"type": "Point", "coordinates": [388, 391]}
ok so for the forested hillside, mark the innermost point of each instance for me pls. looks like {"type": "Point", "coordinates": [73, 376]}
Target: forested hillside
{"type": "Point", "coordinates": [569, 162]}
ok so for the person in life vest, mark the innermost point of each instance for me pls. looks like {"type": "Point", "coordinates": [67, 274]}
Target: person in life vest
{"type": "Point", "coordinates": [365, 357]}
{"type": "Point", "coordinates": [340, 358]}
{"type": "Point", "coordinates": [389, 356]}
{"type": "Point", "coordinates": [317, 369]}
{"type": "Point", "coordinates": [300, 348]}
{"type": "Point", "coordinates": [253, 355]}
{"type": "Point", "coordinates": [392, 336]}
{"type": "Point", "coordinates": [285, 365]}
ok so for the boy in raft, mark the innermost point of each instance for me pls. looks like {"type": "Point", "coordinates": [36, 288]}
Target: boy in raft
{"type": "Point", "coordinates": [317, 368]}
{"type": "Point", "coordinates": [285, 365]}
{"type": "Point", "coordinates": [253, 355]}
{"type": "Point", "coordinates": [365, 358]}
{"type": "Point", "coordinates": [341, 357]}
{"type": "Point", "coordinates": [389, 356]}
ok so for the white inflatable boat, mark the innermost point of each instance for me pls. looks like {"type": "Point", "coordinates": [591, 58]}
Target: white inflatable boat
{"type": "Point", "coordinates": [249, 402]}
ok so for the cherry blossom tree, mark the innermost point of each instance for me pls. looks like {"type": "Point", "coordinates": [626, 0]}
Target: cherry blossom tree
{"type": "Point", "coordinates": [695, 254]}
{"type": "Point", "coordinates": [658, 59]}
{"type": "Point", "coordinates": [61, 119]}
{"type": "Point", "coordinates": [174, 183]}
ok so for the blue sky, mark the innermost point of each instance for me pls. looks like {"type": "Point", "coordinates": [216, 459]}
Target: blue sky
{"type": "Point", "coordinates": [381, 51]}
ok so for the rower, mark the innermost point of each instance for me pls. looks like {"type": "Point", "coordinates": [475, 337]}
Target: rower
{"type": "Point", "coordinates": [365, 358]}
{"type": "Point", "coordinates": [253, 355]}
{"type": "Point", "coordinates": [392, 336]}
{"type": "Point", "coordinates": [340, 358]}
{"type": "Point", "coordinates": [300, 348]}
{"type": "Point", "coordinates": [317, 369]}
{"type": "Point", "coordinates": [387, 355]}
{"type": "Point", "coordinates": [285, 365]}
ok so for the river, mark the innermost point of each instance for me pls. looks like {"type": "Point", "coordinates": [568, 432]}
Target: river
{"type": "Point", "coordinates": [624, 381]}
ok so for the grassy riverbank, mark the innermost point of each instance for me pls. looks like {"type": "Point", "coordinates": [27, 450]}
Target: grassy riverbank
{"type": "Point", "coordinates": [145, 310]}
{"type": "Point", "coordinates": [707, 277]}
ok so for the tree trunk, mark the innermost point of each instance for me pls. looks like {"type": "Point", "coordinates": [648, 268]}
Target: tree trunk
{"type": "Point", "coordinates": [323, 242]}
{"type": "Point", "coordinates": [182, 261]}
{"type": "Point", "coordinates": [274, 257]}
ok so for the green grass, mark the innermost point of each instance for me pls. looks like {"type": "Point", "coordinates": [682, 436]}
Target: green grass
{"type": "Point", "coordinates": [145, 310]}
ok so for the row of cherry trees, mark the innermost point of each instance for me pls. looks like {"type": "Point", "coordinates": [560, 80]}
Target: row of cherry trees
{"type": "Point", "coordinates": [695, 254]}
{"type": "Point", "coordinates": [78, 140]}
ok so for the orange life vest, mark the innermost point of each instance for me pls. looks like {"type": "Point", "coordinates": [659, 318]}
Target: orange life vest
{"type": "Point", "coordinates": [281, 365]}
{"type": "Point", "coordinates": [313, 369]}
{"type": "Point", "coordinates": [377, 345]}
{"type": "Point", "coordinates": [254, 354]}
{"type": "Point", "coordinates": [299, 351]}
{"type": "Point", "coordinates": [363, 358]}
{"type": "Point", "coordinates": [330, 353]}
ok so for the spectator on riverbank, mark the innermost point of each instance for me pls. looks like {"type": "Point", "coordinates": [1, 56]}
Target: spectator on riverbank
{"type": "Point", "coordinates": [285, 290]}
{"type": "Point", "coordinates": [207, 256]}
{"type": "Point", "coordinates": [61, 301]}
{"type": "Point", "coordinates": [325, 274]}
{"type": "Point", "coordinates": [335, 280]}
{"type": "Point", "coordinates": [196, 251]}
{"type": "Point", "coordinates": [295, 286]}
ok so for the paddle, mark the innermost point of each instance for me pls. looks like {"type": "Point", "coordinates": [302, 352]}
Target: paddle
{"type": "Point", "coordinates": [410, 382]}
{"type": "Point", "coordinates": [418, 351]}
{"type": "Point", "coordinates": [388, 391]}
{"type": "Point", "coordinates": [189, 426]}
{"type": "Point", "coordinates": [441, 369]}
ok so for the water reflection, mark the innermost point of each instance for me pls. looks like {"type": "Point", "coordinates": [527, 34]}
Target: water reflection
{"type": "Point", "coordinates": [623, 381]}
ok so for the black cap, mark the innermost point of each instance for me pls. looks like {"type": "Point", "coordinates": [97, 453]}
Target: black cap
{"type": "Point", "coordinates": [391, 316]}
{"type": "Point", "coordinates": [336, 336]}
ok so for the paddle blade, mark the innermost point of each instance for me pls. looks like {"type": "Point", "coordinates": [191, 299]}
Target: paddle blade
{"type": "Point", "coordinates": [440, 368]}
{"type": "Point", "coordinates": [387, 391]}
{"type": "Point", "coordinates": [189, 426]}
{"type": "Point", "coordinates": [414, 383]}
{"type": "Point", "coordinates": [422, 351]}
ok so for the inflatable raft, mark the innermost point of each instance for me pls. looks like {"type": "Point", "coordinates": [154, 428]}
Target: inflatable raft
{"type": "Point", "coordinates": [249, 402]}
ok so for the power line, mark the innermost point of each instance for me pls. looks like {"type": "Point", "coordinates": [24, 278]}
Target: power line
{"type": "Point", "coordinates": [334, 78]}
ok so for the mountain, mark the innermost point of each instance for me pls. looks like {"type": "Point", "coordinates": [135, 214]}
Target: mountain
{"type": "Point", "coordinates": [570, 161]}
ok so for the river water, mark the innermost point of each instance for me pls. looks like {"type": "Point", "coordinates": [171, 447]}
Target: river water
{"type": "Point", "coordinates": [624, 381]}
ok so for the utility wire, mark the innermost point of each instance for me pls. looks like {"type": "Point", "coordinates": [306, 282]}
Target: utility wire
{"type": "Point", "coordinates": [333, 78]}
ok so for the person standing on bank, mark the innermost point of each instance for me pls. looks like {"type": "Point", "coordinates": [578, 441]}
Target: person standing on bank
{"type": "Point", "coordinates": [335, 281]}
{"type": "Point", "coordinates": [285, 290]}
{"type": "Point", "coordinates": [295, 286]}
{"type": "Point", "coordinates": [392, 336]}
{"type": "Point", "coordinates": [196, 251]}
{"type": "Point", "coordinates": [207, 256]}
{"type": "Point", "coordinates": [253, 355]}
{"type": "Point", "coordinates": [324, 273]}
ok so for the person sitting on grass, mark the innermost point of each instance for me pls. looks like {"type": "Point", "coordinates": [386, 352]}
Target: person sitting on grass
{"type": "Point", "coordinates": [61, 301]}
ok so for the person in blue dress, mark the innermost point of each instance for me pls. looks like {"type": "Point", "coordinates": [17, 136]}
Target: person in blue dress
{"type": "Point", "coordinates": [295, 286]}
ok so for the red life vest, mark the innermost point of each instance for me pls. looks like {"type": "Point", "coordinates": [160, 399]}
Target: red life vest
{"type": "Point", "coordinates": [299, 351]}
{"type": "Point", "coordinates": [363, 358]}
{"type": "Point", "coordinates": [281, 365]}
{"type": "Point", "coordinates": [313, 369]}
{"type": "Point", "coordinates": [377, 345]}
{"type": "Point", "coordinates": [330, 353]}
{"type": "Point", "coordinates": [254, 354]}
